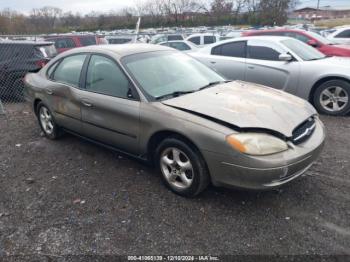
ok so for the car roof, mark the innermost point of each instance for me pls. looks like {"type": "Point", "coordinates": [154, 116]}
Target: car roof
{"type": "Point", "coordinates": [121, 50]}
{"type": "Point", "coordinates": [273, 38]}
{"type": "Point", "coordinates": [246, 38]}
{"type": "Point", "coordinates": [275, 30]}
{"type": "Point", "coordinates": [25, 42]}
{"type": "Point", "coordinates": [67, 36]}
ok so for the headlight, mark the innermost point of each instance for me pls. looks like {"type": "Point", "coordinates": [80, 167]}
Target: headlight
{"type": "Point", "coordinates": [256, 143]}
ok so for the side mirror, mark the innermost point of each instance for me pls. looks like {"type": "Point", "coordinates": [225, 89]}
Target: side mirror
{"type": "Point", "coordinates": [285, 57]}
{"type": "Point", "coordinates": [312, 43]}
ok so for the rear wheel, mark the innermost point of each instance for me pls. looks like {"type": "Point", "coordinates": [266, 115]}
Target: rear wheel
{"type": "Point", "coordinates": [182, 167]}
{"type": "Point", "coordinates": [47, 122]}
{"type": "Point", "coordinates": [332, 98]}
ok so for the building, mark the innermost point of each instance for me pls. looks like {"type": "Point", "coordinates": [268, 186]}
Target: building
{"type": "Point", "coordinates": [327, 12]}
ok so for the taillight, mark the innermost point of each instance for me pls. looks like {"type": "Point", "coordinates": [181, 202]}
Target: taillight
{"type": "Point", "coordinates": [41, 63]}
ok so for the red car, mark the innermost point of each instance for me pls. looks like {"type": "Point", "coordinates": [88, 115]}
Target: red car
{"type": "Point", "coordinates": [67, 42]}
{"type": "Point", "coordinates": [313, 39]}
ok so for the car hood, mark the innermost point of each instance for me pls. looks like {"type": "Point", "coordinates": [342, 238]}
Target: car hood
{"type": "Point", "coordinates": [247, 105]}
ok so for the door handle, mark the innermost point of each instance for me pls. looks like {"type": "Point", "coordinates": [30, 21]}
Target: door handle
{"type": "Point", "coordinates": [251, 67]}
{"type": "Point", "coordinates": [86, 103]}
{"type": "Point", "coordinates": [213, 62]}
{"type": "Point", "coordinates": [49, 92]}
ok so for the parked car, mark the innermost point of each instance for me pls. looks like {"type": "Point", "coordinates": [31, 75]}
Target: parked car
{"type": "Point", "coordinates": [286, 64]}
{"type": "Point", "coordinates": [315, 40]}
{"type": "Point", "coordinates": [67, 42]}
{"type": "Point", "coordinates": [340, 35]}
{"type": "Point", "coordinates": [181, 45]}
{"type": "Point", "coordinates": [162, 106]}
{"type": "Point", "coordinates": [16, 59]}
{"type": "Point", "coordinates": [101, 40]}
{"type": "Point", "coordinates": [203, 39]}
{"type": "Point", "coordinates": [165, 38]}
{"type": "Point", "coordinates": [121, 39]}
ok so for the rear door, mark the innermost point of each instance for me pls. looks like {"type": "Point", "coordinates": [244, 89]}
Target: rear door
{"type": "Point", "coordinates": [110, 105]}
{"type": "Point", "coordinates": [264, 67]}
{"type": "Point", "coordinates": [64, 92]}
{"type": "Point", "coordinates": [228, 59]}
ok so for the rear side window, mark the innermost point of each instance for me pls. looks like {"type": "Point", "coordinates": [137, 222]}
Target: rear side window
{"type": "Point", "coordinates": [87, 40]}
{"type": "Point", "coordinates": [235, 49]}
{"type": "Point", "coordinates": [119, 40]}
{"type": "Point", "coordinates": [263, 50]}
{"type": "Point", "coordinates": [105, 77]}
{"type": "Point", "coordinates": [69, 70]}
{"type": "Point", "coordinates": [196, 40]}
{"type": "Point", "coordinates": [64, 43]}
{"type": "Point", "coordinates": [209, 39]}
{"type": "Point", "coordinates": [344, 34]}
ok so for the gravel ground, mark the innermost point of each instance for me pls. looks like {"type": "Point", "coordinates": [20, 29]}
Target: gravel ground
{"type": "Point", "coordinates": [73, 197]}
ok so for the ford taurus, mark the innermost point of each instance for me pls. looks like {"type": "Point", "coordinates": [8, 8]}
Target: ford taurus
{"type": "Point", "coordinates": [160, 105]}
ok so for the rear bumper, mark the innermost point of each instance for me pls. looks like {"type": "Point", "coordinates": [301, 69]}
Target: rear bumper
{"type": "Point", "coordinates": [266, 172]}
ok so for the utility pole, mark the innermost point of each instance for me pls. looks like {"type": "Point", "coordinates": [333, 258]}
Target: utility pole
{"type": "Point", "coordinates": [318, 4]}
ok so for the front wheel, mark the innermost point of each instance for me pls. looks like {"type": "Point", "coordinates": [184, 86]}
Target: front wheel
{"type": "Point", "coordinates": [182, 167]}
{"type": "Point", "coordinates": [332, 98]}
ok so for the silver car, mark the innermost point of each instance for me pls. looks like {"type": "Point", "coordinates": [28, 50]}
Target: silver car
{"type": "Point", "coordinates": [162, 106]}
{"type": "Point", "coordinates": [286, 64]}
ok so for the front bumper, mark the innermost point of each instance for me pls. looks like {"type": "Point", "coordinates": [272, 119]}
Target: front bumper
{"type": "Point", "coordinates": [265, 172]}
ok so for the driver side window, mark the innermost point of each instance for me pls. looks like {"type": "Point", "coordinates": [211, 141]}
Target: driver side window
{"type": "Point", "coordinates": [105, 77]}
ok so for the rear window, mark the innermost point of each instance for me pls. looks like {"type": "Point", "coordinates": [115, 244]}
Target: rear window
{"type": "Point", "coordinates": [344, 34]}
{"type": "Point", "coordinates": [119, 40]}
{"type": "Point", "coordinates": [175, 37]}
{"type": "Point", "coordinates": [86, 41]}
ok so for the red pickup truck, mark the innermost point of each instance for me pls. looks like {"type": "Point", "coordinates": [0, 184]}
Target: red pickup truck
{"type": "Point", "coordinates": [313, 39]}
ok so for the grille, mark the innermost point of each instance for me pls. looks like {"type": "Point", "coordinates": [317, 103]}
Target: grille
{"type": "Point", "coordinates": [303, 131]}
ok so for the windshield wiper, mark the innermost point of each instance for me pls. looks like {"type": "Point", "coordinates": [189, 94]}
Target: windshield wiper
{"type": "Point", "coordinates": [213, 84]}
{"type": "Point", "coordinates": [175, 94]}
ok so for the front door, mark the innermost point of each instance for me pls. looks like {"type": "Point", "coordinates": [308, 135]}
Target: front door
{"type": "Point", "coordinates": [110, 106]}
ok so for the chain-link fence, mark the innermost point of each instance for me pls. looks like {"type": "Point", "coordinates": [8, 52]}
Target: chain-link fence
{"type": "Point", "coordinates": [18, 56]}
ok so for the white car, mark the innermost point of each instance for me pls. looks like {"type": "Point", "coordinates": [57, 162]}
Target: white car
{"type": "Point", "coordinates": [340, 36]}
{"type": "Point", "coordinates": [181, 45]}
{"type": "Point", "coordinates": [286, 64]}
{"type": "Point", "coordinates": [203, 39]}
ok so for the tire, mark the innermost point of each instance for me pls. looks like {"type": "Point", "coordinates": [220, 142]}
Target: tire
{"type": "Point", "coordinates": [184, 179]}
{"type": "Point", "coordinates": [337, 92]}
{"type": "Point", "coordinates": [47, 122]}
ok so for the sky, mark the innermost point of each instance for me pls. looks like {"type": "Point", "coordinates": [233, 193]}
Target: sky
{"type": "Point", "coordinates": [87, 6]}
{"type": "Point", "coordinates": [82, 6]}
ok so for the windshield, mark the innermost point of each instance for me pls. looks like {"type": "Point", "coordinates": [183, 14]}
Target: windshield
{"type": "Point", "coordinates": [302, 50]}
{"type": "Point", "coordinates": [167, 72]}
{"type": "Point", "coordinates": [320, 38]}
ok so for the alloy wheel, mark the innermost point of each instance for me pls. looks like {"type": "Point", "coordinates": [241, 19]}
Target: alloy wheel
{"type": "Point", "coordinates": [334, 98]}
{"type": "Point", "coordinates": [177, 168]}
{"type": "Point", "coordinates": [46, 120]}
